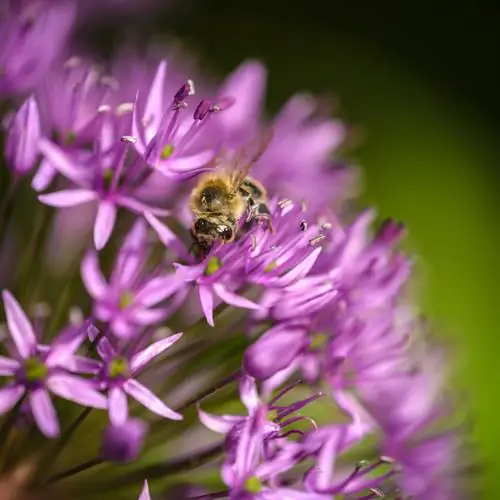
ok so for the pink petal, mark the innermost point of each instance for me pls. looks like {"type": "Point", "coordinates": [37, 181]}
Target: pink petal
{"type": "Point", "coordinates": [8, 366]}
{"type": "Point", "coordinates": [154, 104]}
{"type": "Point", "coordinates": [145, 492]}
{"type": "Point", "coordinates": [68, 197]}
{"type": "Point", "coordinates": [78, 390]}
{"type": "Point", "coordinates": [9, 396]}
{"type": "Point", "coordinates": [145, 356]}
{"type": "Point", "coordinates": [207, 303]}
{"type": "Point", "coordinates": [44, 412]}
{"type": "Point", "coordinates": [187, 164]}
{"type": "Point", "coordinates": [139, 207]}
{"type": "Point", "coordinates": [92, 277]}
{"type": "Point", "coordinates": [248, 393]}
{"type": "Point", "coordinates": [118, 406]}
{"type": "Point", "coordinates": [19, 326]}
{"type": "Point", "coordinates": [61, 161]}
{"type": "Point", "coordinates": [104, 223]}
{"type": "Point", "coordinates": [44, 175]}
{"type": "Point", "coordinates": [158, 289]}
{"type": "Point", "coordinates": [148, 316]}
{"type": "Point", "coordinates": [149, 400]}
{"type": "Point", "coordinates": [221, 424]}
{"type": "Point", "coordinates": [233, 299]}
{"type": "Point", "coordinates": [300, 270]}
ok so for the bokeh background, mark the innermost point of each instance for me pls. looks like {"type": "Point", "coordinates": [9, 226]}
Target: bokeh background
{"type": "Point", "coordinates": [418, 85]}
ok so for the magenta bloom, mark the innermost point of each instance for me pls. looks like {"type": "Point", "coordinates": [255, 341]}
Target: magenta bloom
{"type": "Point", "coordinates": [128, 301]}
{"type": "Point", "coordinates": [36, 369]}
{"type": "Point", "coordinates": [123, 443]}
{"type": "Point", "coordinates": [104, 177]}
{"type": "Point", "coordinates": [117, 377]}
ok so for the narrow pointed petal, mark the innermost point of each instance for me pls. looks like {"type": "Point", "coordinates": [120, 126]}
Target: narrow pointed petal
{"type": "Point", "coordinates": [118, 406]}
{"type": "Point", "coordinates": [81, 364]}
{"type": "Point", "coordinates": [248, 393]}
{"type": "Point", "coordinates": [66, 344]}
{"type": "Point", "coordinates": [149, 400]}
{"type": "Point", "coordinates": [221, 424]}
{"type": "Point", "coordinates": [44, 412]}
{"type": "Point", "coordinates": [61, 161]}
{"type": "Point", "coordinates": [139, 207]}
{"type": "Point", "coordinates": [104, 347]}
{"type": "Point", "coordinates": [145, 492]}
{"type": "Point", "coordinates": [233, 299]}
{"type": "Point", "coordinates": [145, 356]}
{"type": "Point", "coordinates": [300, 270]}
{"type": "Point", "coordinates": [68, 197]}
{"type": "Point", "coordinates": [8, 366]}
{"type": "Point", "coordinates": [19, 326]}
{"type": "Point", "coordinates": [78, 390]}
{"type": "Point", "coordinates": [207, 303]}
{"type": "Point", "coordinates": [92, 277]}
{"type": "Point", "coordinates": [9, 396]}
{"type": "Point", "coordinates": [104, 223]}
{"type": "Point", "coordinates": [157, 289]}
{"type": "Point", "coordinates": [44, 175]}
{"type": "Point", "coordinates": [188, 164]}
{"type": "Point", "coordinates": [154, 103]}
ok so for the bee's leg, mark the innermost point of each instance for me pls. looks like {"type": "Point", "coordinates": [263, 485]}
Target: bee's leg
{"type": "Point", "coordinates": [260, 213]}
{"type": "Point", "coordinates": [198, 251]}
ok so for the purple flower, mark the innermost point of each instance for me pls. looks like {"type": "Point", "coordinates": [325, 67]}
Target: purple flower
{"type": "Point", "coordinates": [170, 140]}
{"type": "Point", "coordinates": [105, 177]}
{"type": "Point", "coordinates": [37, 369]}
{"type": "Point", "coordinates": [33, 34]}
{"type": "Point", "coordinates": [117, 377]}
{"type": "Point", "coordinates": [127, 301]}
{"type": "Point", "coordinates": [23, 134]}
{"type": "Point", "coordinates": [123, 442]}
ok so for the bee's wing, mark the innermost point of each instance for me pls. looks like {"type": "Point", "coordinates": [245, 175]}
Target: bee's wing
{"type": "Point", "coordinates": [244, 159]}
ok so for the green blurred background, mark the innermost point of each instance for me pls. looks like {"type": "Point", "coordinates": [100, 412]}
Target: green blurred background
{"type": "Point", "coordinates": [419, 83]}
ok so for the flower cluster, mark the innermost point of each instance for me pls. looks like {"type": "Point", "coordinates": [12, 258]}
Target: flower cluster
{"type": "Point", "coordinates": [308, 316]}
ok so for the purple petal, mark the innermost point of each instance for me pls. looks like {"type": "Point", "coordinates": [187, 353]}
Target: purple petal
{"type": "Point", "coordinates": [44, 175]}
{"type": "Point", "coordinates": [207, 303]}
{"type": "Point", "coordinates": [246, 84]}
{"type": "Point", "coordinates": [148, 316]}
{"type": "Point", "coordinates": [233, 299]}
{"type": "Point", "coordinates": [8, 366]}
{"type": "Point", "coordinates": [66, 344]}
{"type": "Point", "coordinates": [274, 351]}
{"type": "Point", "coordinates": [44, 412]}
{"type": "Point", "coordinates": [145, 356]}
{"type": "Point", "coordinates": [167, 237]}
{"type": "Point", "coordinates": [62, 161]}
{"type": "Point", "coordinates": [221, 424]}
{"type": "Point", "coordinates": [188, 164]}
{"type": "Point", "coordinates": [149, 400]}
{"type": "Point", "coordinates": [145, 492]}
{"type": "Point", "coordinates": [9, 396]}
{"type": "Point", "coordinates": [78, 390]}
{"type": "Point", "coordinates": [19, 326]}
{"type": "Point", "coordinates": [92, 277]}
{"type": "Point", "coordinates": [154, 103]}
{"type": "Point", "coordinates": [248, 393]}
{"type": "Point", "coordinates": [118, 406]}
{"type": "Point", "coordinates": [68, 197]}
{"type": "Point", "coordinates": [139, 207]}
{"type": "Point", "coordinates": [158, 289]}
{"type": "Point", "coordinates": [104, 223]}
{"type": "Point", "coordinates": [300, 270]}
{"type": "Point", "coordinates": [80, 364]}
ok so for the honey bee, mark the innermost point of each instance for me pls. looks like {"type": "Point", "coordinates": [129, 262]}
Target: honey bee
{"type": "Point", "coordinates": [225, 201]}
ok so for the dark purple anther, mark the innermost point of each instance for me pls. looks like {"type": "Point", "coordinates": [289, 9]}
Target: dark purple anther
{"type": "Point", "coordinates": [390, 231]}
{"type": "Point", "coordinates": [186, 90]}
{"type": "Point", "coordinates": [202, 110]}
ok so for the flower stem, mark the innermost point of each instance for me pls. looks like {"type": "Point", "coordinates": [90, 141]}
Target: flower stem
{"type": "Point", "coordinates": [75, 470]}
{"type": "Point", "coordinates": [7, 206]}
{"type": "Point", "coordinates": [7, 425]}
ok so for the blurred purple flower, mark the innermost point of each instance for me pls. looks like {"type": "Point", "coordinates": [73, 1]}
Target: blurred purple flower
{"type": "Point", "coordinates": [117, 377]}
{"type": "Point", "coordinates": [123, 442]}
{"type": "Point", "coordinates": [33, 34]}
{"type": "Point", "coordinates": [23, 134]}
{"type": "Point", "coordinates": [37, 369]}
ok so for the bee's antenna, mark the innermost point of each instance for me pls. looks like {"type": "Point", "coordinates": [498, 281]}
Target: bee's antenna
{"type": "Point", "coordinates": [240, 175]}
